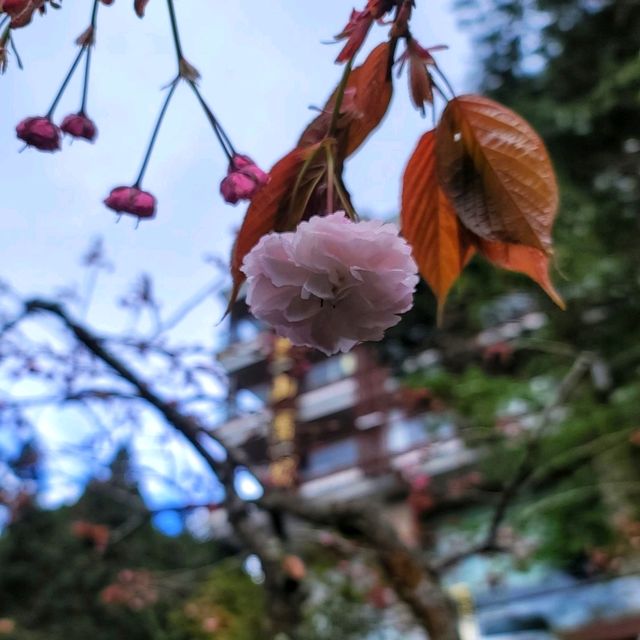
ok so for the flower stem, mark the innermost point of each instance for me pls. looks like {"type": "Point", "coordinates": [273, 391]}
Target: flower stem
{"type": "Point", "coordinates": [87, 66]}
{"type": "Point", "coordinates": [340, 96]}
{"type": "Point", "coordinates": [12, 44]}
{"type": "Point", "coordinates": [4, 21]}
{"type": "Point", "coordinates": [156, 129]}
{"type": "Point", "coordinates": [174, 30]}
{"type": "Point", "coordinates": [223, 138]}
{"type": "Point", "coordinates": [445, 80]}
{"type": "Point", "coordinates": [65, 82]}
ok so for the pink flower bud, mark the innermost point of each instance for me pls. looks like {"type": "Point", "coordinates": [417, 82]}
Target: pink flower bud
{"type": "Point", "coordinates": [39, 132]}
{"type": "Point", "coordinates": [244, 179]}
{"type": "Point", "coordinates": [20, 11]}
{"type": "Point", "coordinates": [78, 125]}
{"type": "Point", "coordinates": [132, 200]}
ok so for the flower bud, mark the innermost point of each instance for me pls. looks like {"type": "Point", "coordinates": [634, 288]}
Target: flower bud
{"type": "Point", "coordinates": [79, 125]}
{"type": "Point", "coordinates": [20, 11]}
{"type": "Point", "coordinates": [244, 179]}
{"type": "Point", "coordinates": [133, 201]}
{"type": "Point", "coordinates": [39, 132]}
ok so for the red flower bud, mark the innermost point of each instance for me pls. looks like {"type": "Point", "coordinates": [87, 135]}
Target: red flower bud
{"type": "Point", "coordinates": [20, 11]}
{"type": "Point", "coordinates": [39, 132]}
{"type": "Point", "coordinates": [79, 126]}
{"type": "Point", "coordinates": [132, 200]}
{"type": "Point", "coordinates": [244, 179]}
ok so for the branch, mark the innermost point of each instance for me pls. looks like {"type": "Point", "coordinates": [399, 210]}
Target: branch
{"type": "Point", "coordinates": [414, 581]}
{"type": "Point", "coordinates": [526, 467]}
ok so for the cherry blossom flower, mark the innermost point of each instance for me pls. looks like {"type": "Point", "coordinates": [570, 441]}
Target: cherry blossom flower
{"type": "Point", "coordinates": [332, 283]}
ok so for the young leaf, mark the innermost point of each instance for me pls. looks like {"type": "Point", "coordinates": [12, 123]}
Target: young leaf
{"type": "Point", "coordinates": [497, 172]}
{"type": "Point", "coordinates": [429, 224]}
{"type": "Point", "coordinates": [532, 262]}
{"type": "Point", "coordinates": [367, 97]}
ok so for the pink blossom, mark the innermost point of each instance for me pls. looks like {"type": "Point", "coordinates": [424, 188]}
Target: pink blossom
{"type": "Point", "coordinates": [244, 179]}
{"type": "Point", "coordinates": [132, 200]}
{"type": "Point", "coordinates": [39, 132]}
{"type": "Point", "coordinates": [332, 283]}
{"type": "Point", "coordinates": [78, 125]}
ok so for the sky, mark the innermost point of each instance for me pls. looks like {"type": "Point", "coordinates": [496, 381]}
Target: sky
{"type": "Point", "coordinates": [263, 64]}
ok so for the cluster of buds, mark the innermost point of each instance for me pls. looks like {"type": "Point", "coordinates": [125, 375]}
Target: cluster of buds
{"type": "Point", "coordinates": [43, 134]}
{"type": "Point", "coordinates": [244, 178]}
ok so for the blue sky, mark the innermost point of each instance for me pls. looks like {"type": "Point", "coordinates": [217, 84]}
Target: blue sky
{"type": "Point", "coordinates": [262, 64]}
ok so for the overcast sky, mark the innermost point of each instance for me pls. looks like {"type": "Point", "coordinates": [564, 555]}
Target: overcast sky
{"type": "Point", "coordinates": [263, 63]}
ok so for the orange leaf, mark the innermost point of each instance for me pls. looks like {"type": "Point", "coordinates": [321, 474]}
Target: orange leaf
{"type": "Point", "coordinates": [367, 97]}
{"type": "Point", "coordinates": [497, 172]}
{"type": "Point", "coordinates": [532, 262]}
{"type": "Point", "coordinates": [440, 245]}
{"type": "Point", "coordinates": [266, 212]}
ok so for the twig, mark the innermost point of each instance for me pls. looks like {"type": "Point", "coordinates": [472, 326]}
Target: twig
{"type": "Point", "coordinates": [526, 466]}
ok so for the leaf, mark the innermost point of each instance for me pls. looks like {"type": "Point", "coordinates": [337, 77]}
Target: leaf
{"type": "Point", "coordinates": [367, 97]}
{"type": "Point", "coordinates": [429, 224]}
{"type": "Point", "coordinates": [532, 262]}
{"type": "Point", "coordinates": [267, 212]}
{"type": "Point", "coordinates": [497, 172]}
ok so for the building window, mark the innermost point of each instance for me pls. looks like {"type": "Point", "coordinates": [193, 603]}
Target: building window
{"type": "Point", "coordinates": [407, 433]}
{"type": "Point", "coordinates": [331, 457]}
{"type": "Point", "coordinates": [246, 329]}
{"type": "Point", "coordinates": [330, 370]}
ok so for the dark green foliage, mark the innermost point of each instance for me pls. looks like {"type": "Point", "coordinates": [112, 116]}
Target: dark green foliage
{"type": "Point", "coordinates": [51, 580]}
{"type": "Point", "coordinates": [572, 68]}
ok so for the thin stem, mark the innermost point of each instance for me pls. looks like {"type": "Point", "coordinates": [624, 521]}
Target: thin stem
{"type": "Point", "coordinates": [66, 81]}
{"type": "Point", "coordinates": [87, 66]}
{"type": "Point", "coordinates": [15, 52]}
{"type": "Point", "coordinates": [330, 179]}
{"type": "Point", "coordinates": [446, 81]}
{"type": "Point", "coordinates": [174, 30]}
{"type": "Point", "coordinates": [4, 21]}
{"type": "Point", "coordinates": [156, 129]}
{"type": "Point", "coordinates": [340, 96]}
{"type": "Point", "coordinates": [223, 139]}
{"type": "Point", "coordinates": [85, 83]}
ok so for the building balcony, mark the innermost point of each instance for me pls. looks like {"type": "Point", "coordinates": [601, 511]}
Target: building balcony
{"type": "Point", "coordinates": [240, 355]}
{"type": "Point", "coordinates": [328, 399]}
{"type": "Point", "coordinates": [237, 431]}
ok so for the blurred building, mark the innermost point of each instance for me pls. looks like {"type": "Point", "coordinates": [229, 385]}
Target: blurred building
{"type": "Point", "coordinates": [337, 427]}
{"type": "Point", "coordinates": [344, 428]}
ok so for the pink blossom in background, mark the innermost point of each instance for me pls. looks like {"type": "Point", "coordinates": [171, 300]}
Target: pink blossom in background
{"type": "Point", "coordinates": [39, 132]}
{"type": "Point", "coordinates": [244, 179]}
{"type": "Point", "coordinates": [332, 283]}
{"type": "Point", "coordinates": [78, 125]}
{"type": "Point", "coordinates": [133, 201]}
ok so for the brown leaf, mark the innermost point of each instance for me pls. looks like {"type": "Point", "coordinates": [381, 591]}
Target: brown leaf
{"type": "Point", "coordinates": [497, 172]}
{"type": "Point", "coordinates": [513, 257]}
{"type": "Point", "coordinates": [429, 224]}
{"type": "Point", "coordinates": [367, 97]}
{"type": "Point", "coordinates": [267, 212]}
